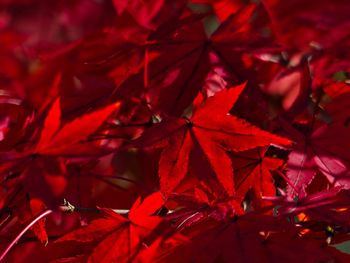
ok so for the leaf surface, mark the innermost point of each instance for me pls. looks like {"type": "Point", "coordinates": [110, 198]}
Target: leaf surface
{"type": "Point", "coordinates": [212, 133]}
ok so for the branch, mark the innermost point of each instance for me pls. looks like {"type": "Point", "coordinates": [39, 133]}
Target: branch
{"type": "Point", "coordinates": [67, 207]}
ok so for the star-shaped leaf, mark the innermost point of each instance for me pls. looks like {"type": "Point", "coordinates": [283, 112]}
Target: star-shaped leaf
{"type": "Point", "coordinates": [210, 131]}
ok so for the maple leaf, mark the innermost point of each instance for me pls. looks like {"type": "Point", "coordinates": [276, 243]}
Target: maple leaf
{"type": "Point", "coordinates": [252, 171]}
{"type": "Point", "coordinates": [56, 141]}
{"type": "Point", "coordinates": [320, 147]}
{"type": "Point", "coordinates": [120, 238]}
{"type": "Point", "coordinates": [210, 131]}
{"type": "Point", "coordinates": [186, 54]}
{"type": "Point", "coordinates": [42, 167]}
{"type": "Point", "coordinates": [249, 238]}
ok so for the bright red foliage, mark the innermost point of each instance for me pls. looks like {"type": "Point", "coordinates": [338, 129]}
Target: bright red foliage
{"type": "Point", "coordinates": [174, 131]}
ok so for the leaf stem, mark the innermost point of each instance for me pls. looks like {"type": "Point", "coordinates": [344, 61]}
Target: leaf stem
{"type": "Point", "coordinates": [44, 214]}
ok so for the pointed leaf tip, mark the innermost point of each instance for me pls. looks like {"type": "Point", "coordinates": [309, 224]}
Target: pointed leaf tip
{"type": "Point", "coordinates": [51, 124]}
{"type": "Point", "coordinates": [221, 103]}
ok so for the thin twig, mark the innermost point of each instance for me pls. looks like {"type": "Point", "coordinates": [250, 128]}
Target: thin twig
{"type": "Point", "coordinates": [67, 207]}
{"type": "Point", "coordinates": [44, 214]}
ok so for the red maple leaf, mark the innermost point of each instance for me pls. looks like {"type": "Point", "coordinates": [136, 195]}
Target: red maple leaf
{"type": "Point", "coordinates": [252, 170]}
{"type": "Point", "coordinates": [42, 166]}
{"type": "Point", "coordinates": [320, 147]}
{"type": "Point", "coordinates": [118, 238]}
{"type": "Point", "coordinates": [186, 53]}
{"type": "Point", "coordinates": [249, 238]}
{"type": "Point", "coordinates": [211, 131]}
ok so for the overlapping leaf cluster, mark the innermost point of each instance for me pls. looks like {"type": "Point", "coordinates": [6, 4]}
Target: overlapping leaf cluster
{"type": "Point", "coordinates": [175, 131]}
